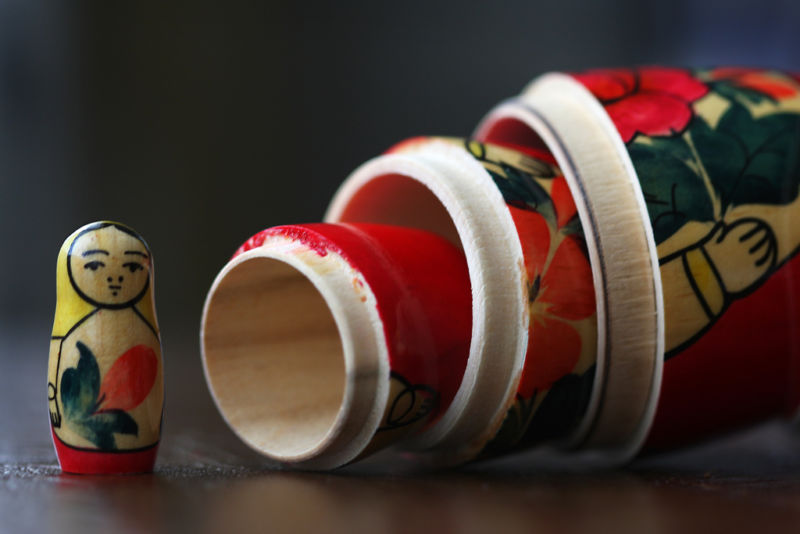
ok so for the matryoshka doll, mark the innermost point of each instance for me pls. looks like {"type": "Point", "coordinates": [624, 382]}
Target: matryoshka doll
{"type": "Point", "coordinates": [105, 378]}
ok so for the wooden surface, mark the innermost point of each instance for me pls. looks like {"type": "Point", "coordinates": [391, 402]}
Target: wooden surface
{"type": "Point", "coordinates": [207, 481]}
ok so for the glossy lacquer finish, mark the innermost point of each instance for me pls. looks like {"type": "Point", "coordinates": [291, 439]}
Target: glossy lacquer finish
{"type": "Point", "coordinates": [105, 379]}
{"type": "Point", "coordinates": [716, 154]}
{"type": "Point", "coordinates": [556, 382]}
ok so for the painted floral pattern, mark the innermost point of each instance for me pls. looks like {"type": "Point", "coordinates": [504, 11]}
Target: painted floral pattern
{"type": "Point", "coordinates": [716, 153]}
{"type": "Point", "coordinates": [651, 101]}
{"type": "Point", "coordinates": [98, 410]}
{"type": "Point", "coordinates": [558, 374]}
{"type": "Point", "coordinates": [722, 189]}
{"type": "Point", "coordinates": [759, 82]}
{"type": "Point", "coordinates": [560, 290]}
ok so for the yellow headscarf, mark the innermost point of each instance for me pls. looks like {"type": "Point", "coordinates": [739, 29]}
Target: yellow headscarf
{"type": "Point", "coordinates": [71, 307]}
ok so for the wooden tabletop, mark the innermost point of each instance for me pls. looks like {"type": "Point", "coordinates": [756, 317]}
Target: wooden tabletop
{"type": "Point", "coordinates": [207, 481]}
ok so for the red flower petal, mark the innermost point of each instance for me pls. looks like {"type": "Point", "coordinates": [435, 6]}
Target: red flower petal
{"type": "Point", "coordinates": [757, 80]}
{"type": "Point", "coordinates": [723, 73]}
{"type": "Point", "coordinates": [649, 114]}
{"type": "Point", "coordinates": [607, 84]}
{"type": "Point", "coordinates": [553, 350]}
{"type": "Point", "coordinates": [774, 88]}
{"type": "Point", "coordinates": [563, 201]}
{"type": "Point", "coordinates": [777, 89]}
{"type": "Point", "coordinates": [676, 82]}
{"type": "Point", "coordinates": [650, 100]}
{"type": "Point", "coordinates": [534, 236]}
{"type": "Point", "coordinates": [568, 285]}
{"type": "Point", "coordinates": [129, 380]}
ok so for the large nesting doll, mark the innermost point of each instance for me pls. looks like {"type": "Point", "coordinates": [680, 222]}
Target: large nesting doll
{"type": "Point", "coordinates": [105, 378]}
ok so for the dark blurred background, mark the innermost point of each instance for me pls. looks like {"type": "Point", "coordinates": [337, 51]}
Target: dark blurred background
{"type": "Point", "coordinates": [200, 124]}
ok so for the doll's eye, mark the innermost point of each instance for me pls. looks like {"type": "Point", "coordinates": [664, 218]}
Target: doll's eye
{"type": "Point", "coordinates": [133, 266]}
{"type": "Point", "coordinates": [94, 265]}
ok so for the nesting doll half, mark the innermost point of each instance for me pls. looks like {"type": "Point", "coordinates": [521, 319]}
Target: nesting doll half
{"type": "Point", "coordinates": [105, 377]}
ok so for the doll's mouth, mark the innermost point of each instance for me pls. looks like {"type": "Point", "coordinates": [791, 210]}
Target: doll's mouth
{"type": "Point", "coordinates": [114, 290]}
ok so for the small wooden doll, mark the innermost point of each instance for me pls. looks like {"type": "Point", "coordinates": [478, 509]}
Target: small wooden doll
{"type": "Point", "coordinates": [105, 378]}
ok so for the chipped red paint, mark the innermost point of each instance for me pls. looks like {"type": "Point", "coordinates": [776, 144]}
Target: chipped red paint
{"type": "Point", "coordinates": [304, 235]}
{"type": "Point", "coordinates": [421, 285]}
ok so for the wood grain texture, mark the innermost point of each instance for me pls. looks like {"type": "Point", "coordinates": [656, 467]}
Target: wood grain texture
{"type": "Point", "coordinates": [622, 253]}
{"type": "Point", "coordinates": [206, 480]}
{"type": "Point", "coordinates": [456, 194]}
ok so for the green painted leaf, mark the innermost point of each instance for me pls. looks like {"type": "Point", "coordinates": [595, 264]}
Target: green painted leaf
{"type": "Point", "coordinates": [99, 428]}
{"type": "Point", "coordinates": [561, 410]}
{"type": "Point", "coordinates": [744, 160]}
{"type": "Point", "coordinates": [513, 428]}
{"type": "Point", "coordinates": [521, 190]}
{"type": "Point", "coordinates": [732, 92]}
{"type": "Point", "coordinates": [80, 385]}
{"type": "Point", "coordinates": [574, 227]}
{"type": "Point", "coordinates": [720, 156]}
{"type": "Point", "coordinates": [673, 189]}
{"type": "Point", "coordinates": [770, 171]}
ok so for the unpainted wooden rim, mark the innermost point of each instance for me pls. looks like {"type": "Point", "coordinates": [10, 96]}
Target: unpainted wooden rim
{"type": "Point", "coordinates": [513, 109]}
{"type": "Point", "coordinates": [364, 349]}
{"type": "Point", "coordinates": [622, 250]}
{"type": "Point", "coordinates": [496, 268]}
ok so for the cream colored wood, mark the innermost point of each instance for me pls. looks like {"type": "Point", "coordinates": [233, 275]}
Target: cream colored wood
{"type": "Point", "coordinates": [105, 341]}
{"type": "Point", "coordinates": [599, 162]}
{"type": "Point", "coordinates": [439, 187]}
{"type": "Point", "coordinates": [513, 110]}
{"type": "Point", "coordinates": [602, 180]}
{"type": "Point", "coordinates": [295, 355]}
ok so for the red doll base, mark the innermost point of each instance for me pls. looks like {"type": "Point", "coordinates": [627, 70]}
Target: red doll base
{"type": "Point", "coordinates": [89, 462]}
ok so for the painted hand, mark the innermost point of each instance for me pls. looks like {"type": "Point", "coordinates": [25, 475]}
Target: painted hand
{"type": "Point", "coordinates": [743, 253]}
{"type": "Point", "coordinates": [55, 415]}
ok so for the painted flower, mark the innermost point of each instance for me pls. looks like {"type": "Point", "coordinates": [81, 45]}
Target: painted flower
{"type": "Point", "coordinates": [759, 80]}
{"type": "Point", "coordinates": [560, 290]}
{"type": "Point", "coordinates": [97, 411]}
{"type": "Point", "coordinates": [651, 101]}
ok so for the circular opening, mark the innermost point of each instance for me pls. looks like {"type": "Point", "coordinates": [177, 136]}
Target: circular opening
{"type": "Point", "coordinates": [514, 132]}
{"type": "Point", "coordinates": [386, 200]}
{"type": "Point", "coordinates": [440, 187]}
{"type": "Point", "coordinates": [274, 358]}
{"type": "Point", "coordinates": [511, 131]}
{"type": "Point", "coordinates": [596, 165]}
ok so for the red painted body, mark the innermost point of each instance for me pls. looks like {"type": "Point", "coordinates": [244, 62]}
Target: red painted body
{"type": "Point", "coordinates": [421, 284]}
{"type": "Point", "coordinates": [93, 462]}
{"type": "Point", "coordinates": [744, 369]}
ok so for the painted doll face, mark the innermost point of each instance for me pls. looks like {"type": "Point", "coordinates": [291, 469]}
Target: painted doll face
{"type": "Point", "coordinates": [109, 267]}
